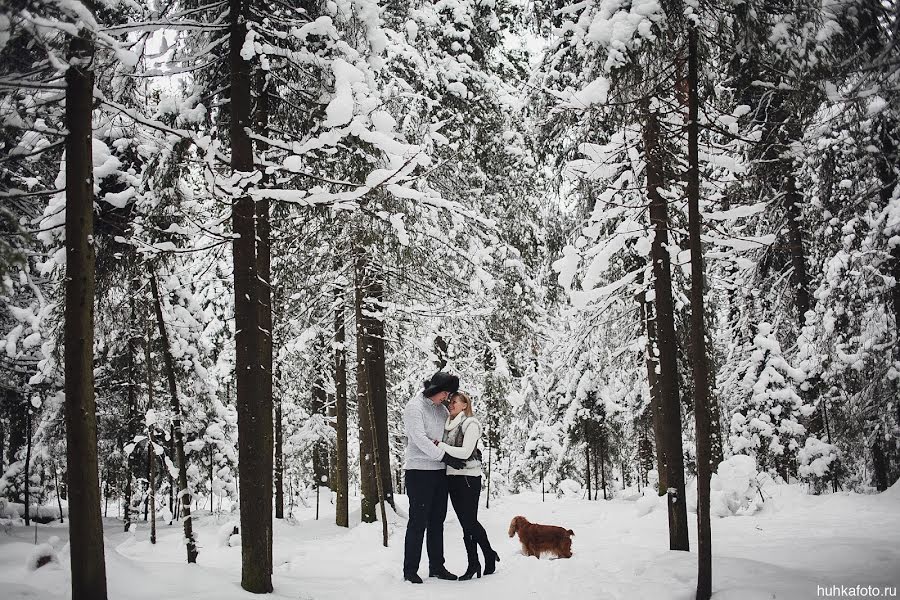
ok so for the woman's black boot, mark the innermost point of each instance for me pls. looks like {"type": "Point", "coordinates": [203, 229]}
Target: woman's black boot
{"type": "Point", "coordinates": [491, 559]}
{"type": "Point", "coordinates": [472, 554]}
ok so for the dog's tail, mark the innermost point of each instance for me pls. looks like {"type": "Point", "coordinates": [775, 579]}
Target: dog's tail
{"type": "Point", "coordinates": [570, 532]}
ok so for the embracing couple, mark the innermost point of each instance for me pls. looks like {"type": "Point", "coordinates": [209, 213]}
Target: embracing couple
{"type": "Point", "coordinates": [442, 459]}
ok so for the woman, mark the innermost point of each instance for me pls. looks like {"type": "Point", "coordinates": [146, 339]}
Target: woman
{"type": "Point", "coordinates": [461, 435]}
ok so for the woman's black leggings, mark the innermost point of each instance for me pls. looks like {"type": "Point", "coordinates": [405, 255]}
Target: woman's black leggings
{"type": "Point", "coordinates": [464, 494]}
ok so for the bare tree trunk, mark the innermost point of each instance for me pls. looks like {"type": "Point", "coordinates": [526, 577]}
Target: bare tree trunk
{"type": "Point", "coordinates": [342, 509]}
{"type": "Point", "coordinates": [379, 481]}
{"type": "Point", "coordinates": [178, 432]}
{"type": "Point", "coordinates": [85, 523]}
{"type": "Point", "coordinates": [264, 265]}
{"type": "Point", "coordinates": [26, 478]}
{"type": "Point", "coordinates": [151, 451]}
{"type": "Point", "coordinates": [587, 469]}
{"type": "Point", "coordinates": [668, 349]}
{"type": "Point", "coordinates": [652, 360]}
{"type": "Point", "coordinates": [370, 389]}
{"type": "Point", "coordinates": [279, 460]}
{"type": "Point", "coordinates": [132, 407]}
{"type": "Point", "coordinates": [320, 456]}
{"type": "Point", "coordinates": [254, 399]}
{"type": "Point", "coordinates": [793, 200]}
{"type": "Point", "coordinates": [603, 462]}
{"type": "Point", "coordinates": [698, 331]}
{"type": "Point", "coordinates": [58, 497]}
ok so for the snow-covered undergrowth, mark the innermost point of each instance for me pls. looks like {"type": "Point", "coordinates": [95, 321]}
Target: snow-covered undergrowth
{"type": "Point", "coordinates": [793, 544]}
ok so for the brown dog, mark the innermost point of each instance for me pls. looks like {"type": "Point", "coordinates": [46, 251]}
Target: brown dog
{"type": "Point", "coordinates": [537, 538]}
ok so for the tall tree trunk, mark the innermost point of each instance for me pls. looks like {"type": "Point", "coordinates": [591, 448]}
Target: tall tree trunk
{"type": "Point", "coordinates": [665, 329]}
{"type": "Point", "coordinates": [603, 462]}
{"type": "Point", "coordinates": [151, 460]}
{"type": "Point", "coordinates": [879, 467]}
{"type": "Point", "coordinates": [652, 361]}
{"type": "Point", "coordinates": [151, 450]}
{"type": "Point", "coordinates": [587, 469]}
{"type": "Point", "coordinates": [698, 331]}
{"type": "Point", "coordinates": [27, 483]}
{"type": "Point", "coordinates": [279, 460]}
{"type": "Point", "coordinates": [178, 431]}
{"type": "Point", "coordinates": [264, 265]}
{"type": "Point", "coordinates": [793, 200]}
{"type": "Point", "coordinates": [320, 451]}
{"type": "Point", "coordinates": [342, 509]}
{"type": "Point", "coordinates": [132, 406]}
{"type": "Point", "coordinates": [58, 496]}
{"type": "Point", "coordinates": [254, 399]}
{"type": "Point", "coordinates": [370, 388]}
{"type": "Point", "coordinates": [85, 523]}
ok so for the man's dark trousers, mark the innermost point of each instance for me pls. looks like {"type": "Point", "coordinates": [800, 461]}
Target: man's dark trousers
{"type": "Point", "coordinates": [427, 492]}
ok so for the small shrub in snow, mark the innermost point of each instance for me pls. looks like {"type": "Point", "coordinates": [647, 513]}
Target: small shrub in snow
{"type": "Point", "coordinates": [818, 462]}
{"type": "Point", "coordinates": [42, 554]}
{"type": "Point", "coordinates": [646, 503]}
{"type": "Point", "coordinates": [734, 487]}
{"type": "Point", "coordinates": [569, 488]}
{"type": "Point", "coordinates": [226, 532]}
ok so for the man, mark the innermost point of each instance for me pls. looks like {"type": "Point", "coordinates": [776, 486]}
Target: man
{"type": "Point", "coordinates": [426, 476]}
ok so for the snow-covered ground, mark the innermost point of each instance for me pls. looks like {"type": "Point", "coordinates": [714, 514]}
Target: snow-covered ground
{"type": "Point", "coordinates": [796, 543]}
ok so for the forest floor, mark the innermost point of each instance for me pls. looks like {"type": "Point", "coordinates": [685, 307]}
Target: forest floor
{"type": "Point", "coordinates": [796, 545]}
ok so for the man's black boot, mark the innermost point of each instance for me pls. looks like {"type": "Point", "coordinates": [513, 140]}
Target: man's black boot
{"type": "Point", "coordinates": [412, 577]}
{"type": "Point", "coordinates": [442, 573]}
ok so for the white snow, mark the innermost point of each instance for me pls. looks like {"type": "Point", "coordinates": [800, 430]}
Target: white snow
{"type": "Point", "coordinates": [795, 543]}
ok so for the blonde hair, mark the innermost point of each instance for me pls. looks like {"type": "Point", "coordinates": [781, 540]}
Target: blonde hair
{"type": "Point", "coordinates": [465, 398]}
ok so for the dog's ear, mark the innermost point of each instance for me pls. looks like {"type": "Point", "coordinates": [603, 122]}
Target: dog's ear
{"type": "Point", "coordinates": [570, 532]}
{"type": "Point", "coordinates": [513, 526]}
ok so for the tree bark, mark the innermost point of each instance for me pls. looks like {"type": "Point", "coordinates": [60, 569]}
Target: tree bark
{"type": "Point", "coordinates": [320, 450]}
{"type": "Point", "coordinates": [370, 386]}
{"type": "Point", "coordinates": [266, 317]}
{"type": "Point", "coordinates": [132, 407]}
{"type": "Point", "coordinates": [178, 432]}
{"type": "Point", "coordinates": [27, 483]}
{"type": "Point", "coordinates": [279, 460]}
{"type": "Point", "coordinates": [85, 523]}
{"type": "Point", "coordinates": [668, 349]}
{"type": "Point", "coordinates": [793, 201]}
{"type": "Point", "coordinates": [254, 399]}
{"type": "Point", "coordinates": [652, 360]}
{"type": "Point", "coordinates": [587, 469]}
{"type": "Point", "coordinates": [698, 331]}
{"type": "Point", "coordinates": [342, 509]}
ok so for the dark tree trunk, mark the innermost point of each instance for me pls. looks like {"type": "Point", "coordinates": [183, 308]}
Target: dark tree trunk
{"type": "Point", "coordinates": [85, 523]}
{"type": "Point", "coordinates": [264, 265]}
{"type": "Point", "coordinates": [254, 399]}
{"type": "Point", "coordinates": [698, 332]}
{"type": "Point", "coordinates": [793, 201]}
{"type": "Point", "coordinates": [130, 430]}
{"type": "Point", "coordinates": [151, 451]}
{"type": "Point", "coordinates": [879, 467]}
{"type": "Point", "coordinates": [58, 496]}
{"type": "Point", "coordinates": [370, 384]}
{"type": "Point", "coordinates": [279, 460]}
{"type": "Point", "coordinates": [665, 329]}
{"type": "Point", "coordinates": [603, 462]}
{"type": "Point", "coordinates": [587, 469]}
{"type": "Point", "coordinates": [652, 360]}
{"type": "Point", "coordinates": [342, 509]}
{"type": "Point", "coordinates": [320, 451]}
{"type": "Point", "coordinates": [177, 429]}
{"type": "Point", "coordinates": [26, 479]}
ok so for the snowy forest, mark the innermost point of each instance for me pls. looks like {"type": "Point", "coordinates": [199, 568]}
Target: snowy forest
{"type": "Point", "coordinates": [658, 241]}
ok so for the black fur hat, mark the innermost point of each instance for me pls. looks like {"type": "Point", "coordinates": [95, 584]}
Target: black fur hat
{"type": "Point", "coordinates": [441, 382]}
